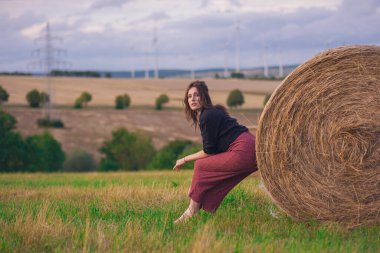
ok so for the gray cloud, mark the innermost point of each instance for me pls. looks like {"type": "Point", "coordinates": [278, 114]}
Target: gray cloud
{"type": "Point", "coordinates": [305, 30]}
{"type": "Point", "coordinates": [14, 48]}
{"type": "Point", "coordinates": [299, 35]}
{"type": "Point", "coordinates": [232, 3]}
{"type": "Point", "coordinates": [101, 4]}
{"type": "Point", "coordinates": [155, 16]}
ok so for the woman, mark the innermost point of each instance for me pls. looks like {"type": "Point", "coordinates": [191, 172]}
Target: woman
{"type": "Point", "coordinates": [228, 154]}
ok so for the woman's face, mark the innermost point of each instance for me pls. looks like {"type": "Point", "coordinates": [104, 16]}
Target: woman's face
{"type": "Point", "coordinates": [194, 99]}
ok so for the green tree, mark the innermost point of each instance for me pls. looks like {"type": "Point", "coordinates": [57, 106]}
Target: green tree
{"type": "Point", "coordinates": [127, 100]}
{"type": "Point", "coordinates": [34, 98]}
{"type": "Point", "coordinates": [79, 160]}
{"type": "Point", "coordinates": [238, 75]}
{"type": "Point", "coordinates": [122, 101]}
{"type": "Point", "coordinates": [126, 151]}
{"type": "Point", "coordinates": [162, 99]}
{"type": "Point", "coordinates": [78, 104]}
{"type": "Point", "coordinates": [85, 97]}
{"type": "Point", "coordinates": [49, 122]}
{"type": "Point", "coordinates": [4, 95]}
{"type": "Point", "coordinates": [13, 152]}
{"type": "Point", "coordinates": [235, 98]}
{"type": "Point", "coordinates": [12, 147]}
{"type": "Point", "coordinates": [45, 153]}
{"type": "Point", "coordinates": [7, 122]}
{"type": "Point", "coordinates": [36, 153]}
{"type": "Point", "coordinates": [166, 157]}
{"type": "Point", "coordinates": [119, 102]}
{"type": "Point", "coordinates": [45, 98]}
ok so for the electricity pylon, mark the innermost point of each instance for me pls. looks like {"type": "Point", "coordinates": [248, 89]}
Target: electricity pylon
{"type": "Point", "coordinates": [47, 61]}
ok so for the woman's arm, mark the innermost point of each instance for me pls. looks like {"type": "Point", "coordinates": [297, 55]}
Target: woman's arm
{"type": "Point", "coordinates": [180, 162]}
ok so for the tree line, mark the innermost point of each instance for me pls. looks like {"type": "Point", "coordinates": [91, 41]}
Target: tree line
{"type": "Point", "coordinates": [123, 151]}
{"type": "Point", "coordinates": [39, 152]}
{"type": "Point", "coordinates": [15, 73]}
{"type": "Point", "coordinates": [75, 73]}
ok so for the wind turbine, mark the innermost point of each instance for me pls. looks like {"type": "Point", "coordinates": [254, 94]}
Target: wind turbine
{"type": "Point", "coordinates": [280, 65]}
{"type": "Point", "coordinates": [131, 50]}
{"type": "Point", "coordinates": [146, 66]}
{"type": "Point", "coordinates": [225, 48]}
{"type": "Point", "coordinates": [192, 72]}
{"type": "Point", "coordinates": [265, 60]}
{"type": "Point", "coordinates": [237, 46]}
{"type": "Point", "coordinates": [155, 40]}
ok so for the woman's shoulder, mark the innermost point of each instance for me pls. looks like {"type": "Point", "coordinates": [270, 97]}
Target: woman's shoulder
{"type": "Point", "coordinates": [211, 113]}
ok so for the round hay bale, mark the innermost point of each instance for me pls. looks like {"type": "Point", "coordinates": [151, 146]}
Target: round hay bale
{"type": "Point", "coordinates": [318, 139]}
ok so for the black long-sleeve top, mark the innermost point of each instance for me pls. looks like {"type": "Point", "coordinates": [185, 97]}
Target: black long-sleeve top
{"type": "Point", "coordinates": [218, 130]}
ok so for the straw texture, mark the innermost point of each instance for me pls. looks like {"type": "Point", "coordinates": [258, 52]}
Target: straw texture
{"type": "Point", "coordinates": [318, 139]}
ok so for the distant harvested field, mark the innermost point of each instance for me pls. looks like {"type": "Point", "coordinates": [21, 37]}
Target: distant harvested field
{"type": "Point", "coordinates": [88, 128]}
{"type": "Point", "coordinates": [143, 92]}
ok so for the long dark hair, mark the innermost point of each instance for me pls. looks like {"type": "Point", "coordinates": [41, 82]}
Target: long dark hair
{"type": "Point", "coordinates": [205, 101]}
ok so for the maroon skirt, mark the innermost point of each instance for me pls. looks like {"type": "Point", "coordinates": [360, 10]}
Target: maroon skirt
{"type": "Point", "coordinates": [215, 176]}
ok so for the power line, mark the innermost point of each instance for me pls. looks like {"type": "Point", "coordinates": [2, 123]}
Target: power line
{"type": "Point", "coordinates": [47, 60]}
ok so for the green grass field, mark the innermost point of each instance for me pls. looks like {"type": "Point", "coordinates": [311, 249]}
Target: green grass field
{"type": "Point", "coordinates": [134, 212]}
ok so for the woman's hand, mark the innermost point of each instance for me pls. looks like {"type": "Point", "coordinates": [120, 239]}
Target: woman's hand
{"type": "Point", "coordinates": [193, 157]}
{"type": "Point", "coordinates": [179, 164]}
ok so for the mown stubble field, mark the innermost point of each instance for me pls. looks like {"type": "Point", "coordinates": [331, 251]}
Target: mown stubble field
{"type": "Point", "coordinates": [143, 92]}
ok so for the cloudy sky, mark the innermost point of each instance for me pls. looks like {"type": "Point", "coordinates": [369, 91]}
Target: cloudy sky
{"type": "Point", "coordinates": [119, 34]}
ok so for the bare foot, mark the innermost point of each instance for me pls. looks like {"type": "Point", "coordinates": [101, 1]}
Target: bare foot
{"type": "Point", "coordinates": [186, 216]}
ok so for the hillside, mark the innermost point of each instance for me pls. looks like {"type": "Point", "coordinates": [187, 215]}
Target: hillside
{"type": "Point", "coordinates": [88, 128]}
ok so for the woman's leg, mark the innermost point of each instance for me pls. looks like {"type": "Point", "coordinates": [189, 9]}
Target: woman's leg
{"type": "Point", "coordinates": [214, 197]}
{"type": "Point", "coordinates": [209, 187]}
{"type": "Point", "coordinates": [215, 176]}
{"type": "Point", "coordinates": [192, 210]}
